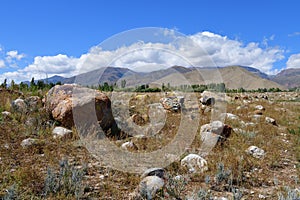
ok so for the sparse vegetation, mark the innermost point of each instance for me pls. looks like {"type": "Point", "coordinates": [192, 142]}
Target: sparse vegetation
{"type": "Point", "coordinates": [35, 172]}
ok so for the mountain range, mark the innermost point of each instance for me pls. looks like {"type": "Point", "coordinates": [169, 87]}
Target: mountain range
{"type": "Point", "coordinates": [234, 77]}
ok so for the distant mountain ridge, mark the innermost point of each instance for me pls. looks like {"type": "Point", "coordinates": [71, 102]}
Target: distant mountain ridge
{"type": "Point", "coordinates": [289, 77]}
{"type": "Point", "coordinates": [233, 76]}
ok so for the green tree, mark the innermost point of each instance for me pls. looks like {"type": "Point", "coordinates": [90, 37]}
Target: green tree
{"type": "Point", "coordinates": [23, 86]}
{"type": "Point", "coordinates": [12, 85]}
{"type": "Point", "coordinates": [163, 87]}
{"type": "Point", "coordinates": [40, 84]}
{"type": "Point", "coordinates": [123, 83]}
{"type": "Point", "coordinates": [32, 83]}
{"type": "Point", "coordinates": [4, 84]}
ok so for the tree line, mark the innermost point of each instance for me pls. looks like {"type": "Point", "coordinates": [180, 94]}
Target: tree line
{"type": "Point", "coordinates": [106, 87]}
{"type": "Point", "coordinates": [32, 86]}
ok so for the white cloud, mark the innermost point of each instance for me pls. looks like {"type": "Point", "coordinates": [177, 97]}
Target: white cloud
{"type": "Point", "coordinates": [201, 49]}
{"type": "Point", "coordinates": [2, 64]}
{"type": "Point", "coordinates": [10, 55]}
{"type": "Point", "coordinates": [293, 61]}
{"type": "Point", "coordinates": [44, 66]}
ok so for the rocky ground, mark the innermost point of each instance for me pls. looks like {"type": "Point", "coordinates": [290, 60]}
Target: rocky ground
{"type": "Point", "coordinates": [256, 156]}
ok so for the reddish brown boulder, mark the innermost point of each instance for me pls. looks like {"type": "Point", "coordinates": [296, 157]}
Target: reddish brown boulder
{"type": "Point", "coordinates": [74, 105]}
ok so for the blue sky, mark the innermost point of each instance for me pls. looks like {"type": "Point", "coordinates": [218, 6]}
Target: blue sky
{"type": "Point", "coordinates": [33, 32]}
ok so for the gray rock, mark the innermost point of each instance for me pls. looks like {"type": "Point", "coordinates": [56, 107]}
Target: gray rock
{"type": "Point", "coordinates": [61, 132]}
{"type": "Point", "coordinates": [170, 103]}
{"type": "Point", "coordinates": [149, 186]}
{"type": "Point", "coordinates": [208, 101]}
{"type": "Point", "coordinates": [259, 107]}
{"type": "Point", "coordinates": [194, 163]}
{"type": "Point", "coordinates": [19, 105]}
{"type": "Point", "coordinates": [270, 120]}
{"type": "Point", "coordinates": [256, 152]}
{"type": "Point", "coordinates": [28, 142]}
{"type": "Point", "coordinates": [160, 172]}
{"type": "Point", "coordinates": [216, 127]}
{"type": "Point", "coordinates": [33, 103]}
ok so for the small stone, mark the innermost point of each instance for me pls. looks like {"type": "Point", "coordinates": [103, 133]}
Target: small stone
{"type": "Point", "coordinates": [28, 142]}
{"type": "Point", "coordinates": [270, 120]}
{"type": "Point", "coordinates": [19, 105]}
{"type": "Point", "coordinates": [171, 103]}
{"type": "Point", "coordinates": [178, 178]}
{"type": "Point", "coordinates": [129, 146]}
{"type": "Point", "coordinates": [229, 116]}
{"type": "Point", "coordinates": [5, 113]}
{"type": "Point", "coordinates": [261, 196]}
{"type": "Point", "coordinates": [259, 107]}
{"type": "Point", "coordinates": [60, 132]}
{"type": "Point", "coordinates": [256, 152]}
{"type": "Point", "coordinates": [194, 163]}
{"type": "Point", "coordinates": [102, 176]}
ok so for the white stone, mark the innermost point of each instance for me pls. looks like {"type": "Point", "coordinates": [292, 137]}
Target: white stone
{"type": "Point", "coordinates": [194, 163]}
{"type": "Point", "coordinates": [259, 107]}
{"type": "Point", "coordinates": [128, 145]}
{"type": "Point", "coordinates": [178, 178]}
{"type": "Point", "coordinates": [59, 132]}
{"type": "Point", "coordinates": [6, 113]}
{"type": "Point", "coordinates": [229, 116]}
{"type": "Point", "coordinates": [102, 176]}
{"type": "Point", "coordinates": [261, 196]}
{"type": "Point", "coordinates": [28, 142]}
{"type": "Point", "coordinates": [256, 152]}
{"type": "Point", "coordinates": [270, 120]}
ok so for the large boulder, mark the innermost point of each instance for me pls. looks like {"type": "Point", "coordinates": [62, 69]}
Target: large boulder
{"type": "Point", "coordinates": [68, 103]}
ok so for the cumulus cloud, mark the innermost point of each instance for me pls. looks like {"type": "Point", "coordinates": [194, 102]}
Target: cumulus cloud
{"type": "Point", "coordinates": [44, 66]}
{"type": "Point", "coordinates": [201, 49]}
{"type": "Point", "coordinates": [293, 61]}
{"type": "Point", "coordinates": [11, 55]}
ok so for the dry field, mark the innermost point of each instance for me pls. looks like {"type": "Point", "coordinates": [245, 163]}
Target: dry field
{"type": "Point", "coordinates": [64, 169]}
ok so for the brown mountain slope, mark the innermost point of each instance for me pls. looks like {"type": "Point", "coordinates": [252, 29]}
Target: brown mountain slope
{"type": "Point", "coordinates": [288, 77]}
{"type": "Point", "coordinates": [234, 77]}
